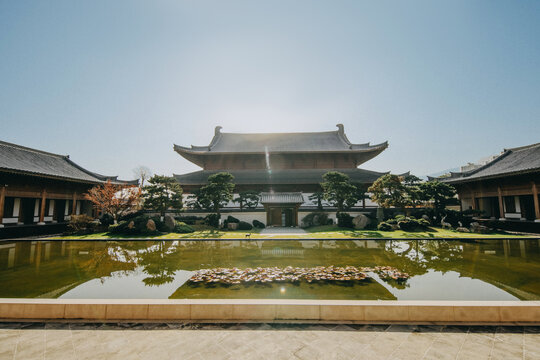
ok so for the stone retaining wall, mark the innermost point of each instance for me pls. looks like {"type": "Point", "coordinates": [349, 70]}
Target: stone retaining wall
{"type": "Point", "coordinates": [444, 312]}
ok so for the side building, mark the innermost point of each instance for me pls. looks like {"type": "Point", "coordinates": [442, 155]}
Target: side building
{"type": "Point", "coordinates": [284, 167]}
{"type": "Point", "coordinates": [41, 188]}
{"type": "Point", "coordinates": [506, 188]}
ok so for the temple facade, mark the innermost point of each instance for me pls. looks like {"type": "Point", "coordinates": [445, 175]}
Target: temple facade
{"type": "Point", "coordinates": [506, 188]}
{"type": "Point", "coordinates": [286, 168]}
{"type": "Point", "coordinates": [42, 188]}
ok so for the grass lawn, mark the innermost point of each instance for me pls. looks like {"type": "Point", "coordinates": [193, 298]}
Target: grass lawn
{"type": "Point", "coordinates": [318, 232]}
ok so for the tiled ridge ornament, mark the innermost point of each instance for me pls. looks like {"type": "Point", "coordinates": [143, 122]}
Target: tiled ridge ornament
{"type": "Point", "coordinates": [442, 312]}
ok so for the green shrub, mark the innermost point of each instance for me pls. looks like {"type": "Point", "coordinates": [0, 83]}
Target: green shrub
{"type": "Point", "coordinates": [385, 227]}
{"type": "Point", "coordinates": [258, 224]}
{"type": "Point", "coordinates": [391, 221]}
{"type": "Point", "coordinates": [81, 224]}
{"type": "Point", "coordinates": [315, 219]}
{"type": "Point", "coordinates": [423, 223]}
{"type": "Point", "coordinates": [407, 224]}
{"type": "Point", "coordinates": [242, 225]}
{"type": "Point", "coordinates": [183, 228]}
{"type": "Point", "coordinates": [344, 220]}
{"type": "Point", "coordinates": [212, 220]}
{"type": "Point", "coordinates": [118, 228]}
{"type": "Point", "coordinates": [106, 219]}
{"type": "Point", "coordinates": [189, 220]}
{"type": "Point", "coordinates": [135, 226]}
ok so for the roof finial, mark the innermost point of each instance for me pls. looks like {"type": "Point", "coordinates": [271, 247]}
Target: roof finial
{"type": "Point", "coordinates": [217, 130]}
{"type": "Point", "coordinates": [341, 129]}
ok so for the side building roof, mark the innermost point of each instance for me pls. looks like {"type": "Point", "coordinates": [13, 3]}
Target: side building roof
{"type": "Point", "coordinates": [278, 177]}
{"type": "Point", "coordinates": [514, 161]}
{"type": "Point", "coordinates": [27, 161]}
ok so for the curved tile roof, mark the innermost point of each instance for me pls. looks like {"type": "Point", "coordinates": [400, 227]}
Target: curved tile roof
{"type": "Point", "coordinates": [19, 159]}
{"type": "Point", "coordinates": [524, 159]}
{"type": "Point", "coordinates": [281, 142]}
{"type": "Point", "coordinates": [281, 198]}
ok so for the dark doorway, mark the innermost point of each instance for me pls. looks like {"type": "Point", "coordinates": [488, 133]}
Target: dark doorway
{"type": "Point", "coordinates": [59, 208]}
{"type": "Point", "coordinates": [27, 208]}
{"type": "Point", "coordinates": [286, 217]}
{"type": "Point", "coordinates": [526, 203]}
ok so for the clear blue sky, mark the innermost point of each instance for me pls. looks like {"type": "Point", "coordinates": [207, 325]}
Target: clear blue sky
{"type": "Point", "coordinates": [116, 83]}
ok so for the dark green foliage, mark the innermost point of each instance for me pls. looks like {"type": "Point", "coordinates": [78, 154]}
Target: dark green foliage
{"type": "Point", "coordinates": [319, 196]}
{"type": "Point", "coordinates": [81, 224]}
{"type": "Point", "coordinates": [106, 219]}
{"type": "Point", "coordinates": [212, 220]}
{"type": "Point", "coordinates": [388, 191]}
{"type": "Point", "coordinates": [242, 225]}
{"type": "Point", "coordinates": [384, 227]}
{"type": "Point", "coordinates": [232, 219]}
{"type": "Point", "coordinates": [189, 220]}
{"type": "Point", "coordinates": [315, 219]}
{"type": "Point", "coordinates": [160, 225]}
{"type": "Point", "coordinates": [339, 191]}
{"type": "Point", "coordinates": [405, 223]}
{"type": "Point", "coordinates": [131, 216]}
{"type": "Point", "coordinates": [344, 220]}
{"type": "Point", "coordinates": [183, 228]}
{"type": "Point", "coordinates": [258, 224]}
{"type": "Point", "coordinates": [218, 191]}
{"type": "Point", "coordinates": [249, 199]}
{"type": "Point", "coordinates": [163, 193]}
{"type": "Point", "coordinates": [441, 194]}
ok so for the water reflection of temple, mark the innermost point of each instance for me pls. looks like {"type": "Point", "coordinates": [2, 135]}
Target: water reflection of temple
{"type": "Point", "coordinates": [49, 268]}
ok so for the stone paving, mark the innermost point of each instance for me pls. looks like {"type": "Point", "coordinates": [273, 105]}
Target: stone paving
{"type": "Point", "coordinates": [264, 341]}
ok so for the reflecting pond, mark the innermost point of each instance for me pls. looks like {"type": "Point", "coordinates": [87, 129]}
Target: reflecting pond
{"type": "Point", "coordinates": [438, 269]}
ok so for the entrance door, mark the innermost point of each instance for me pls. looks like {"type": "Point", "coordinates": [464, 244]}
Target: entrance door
{"type": "Point", "coordinates": [275, 216]}
{"type": "Point", "coordinates": [59, 209]}
{"type": "Point", "coordinates": [28, 207]}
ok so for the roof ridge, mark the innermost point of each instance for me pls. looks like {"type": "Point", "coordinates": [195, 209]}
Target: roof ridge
{"type": "Point", "coordinates": [522, 147]}
{"type": "Point", "coordinates": [32, 149]}
{"type": "Point", "coordinates": [498, 158]}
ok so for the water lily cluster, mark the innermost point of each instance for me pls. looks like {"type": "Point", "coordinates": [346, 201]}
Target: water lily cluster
{"type": "Point", "coordinates": [294, 274]}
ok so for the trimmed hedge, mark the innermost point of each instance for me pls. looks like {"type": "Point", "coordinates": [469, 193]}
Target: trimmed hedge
{"type": "Point", "coordinates": [258, 224]}
{"type": "Point", "coordinates": [183, 228]}
{"type": "Point", "coordinates": [242, 225]}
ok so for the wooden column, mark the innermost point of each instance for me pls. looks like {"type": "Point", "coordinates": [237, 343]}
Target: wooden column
{"type": "Point", "coordinates": [2, 200]}
{"type": "Point", "coordinates": [473, 200]}
{"type": "Point", "coordinates": [42, 208]}
{"type": "Point", "coordinates": [501, 203]}
{"type": "Point", "coordinates": [536, 202]}
{"type": "Point", "coordinates": [74, 205]}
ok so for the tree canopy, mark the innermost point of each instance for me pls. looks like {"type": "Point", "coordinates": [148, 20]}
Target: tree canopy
{"type": "Point", "coordinates": [249, 199]}
{"type": "Point", "coordinates": [441, 194]}
{"type": "Point", "coordinates": [162, 193]}
{"type": "Point", "coordinates": [114, 199]}
{"type": "Point", "coordinates": [388, 191]}
{"type": "Point", "coordinates": [338, 190]}
{"type": "Point", "coordinates": [218, 191]}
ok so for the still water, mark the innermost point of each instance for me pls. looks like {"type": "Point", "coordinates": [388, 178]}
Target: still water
{"type": "Point", "coordinates": [438, 269]}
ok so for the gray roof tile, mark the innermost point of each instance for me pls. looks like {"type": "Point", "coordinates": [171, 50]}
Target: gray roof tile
{"type": "Point", "coordinates": [281, 198]}
{"type": "Point", "coordinates": [513, 161]}
{"type": "Point", "coordinates": [20, 159]}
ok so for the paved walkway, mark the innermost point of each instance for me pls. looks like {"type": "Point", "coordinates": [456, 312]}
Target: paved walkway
{"type": "Point", "coordinates": [283, 231]}
{"type": "Point", "coordinates": [264, 341]}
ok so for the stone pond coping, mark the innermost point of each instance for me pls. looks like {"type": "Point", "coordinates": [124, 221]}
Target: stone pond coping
{"type": "Point", "coordinates": [225, 310]}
